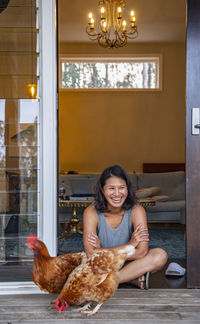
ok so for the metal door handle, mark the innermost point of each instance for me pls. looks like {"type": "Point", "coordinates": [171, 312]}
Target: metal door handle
{"type": "Point", "coordinates": [195, 121]}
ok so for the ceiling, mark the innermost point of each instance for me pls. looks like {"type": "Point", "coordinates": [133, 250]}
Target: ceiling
{"type": "Point", "coordinates": [157, 20]}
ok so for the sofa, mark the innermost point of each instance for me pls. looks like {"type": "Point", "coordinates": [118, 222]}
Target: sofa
{"type": "Point", "coordinates": [167, 189]}
{"type": "Point", "coordinates": [170, 207]}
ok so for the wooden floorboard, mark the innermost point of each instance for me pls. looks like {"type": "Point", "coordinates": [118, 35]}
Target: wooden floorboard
{"type": "Point", "coordinates": [125, 307]}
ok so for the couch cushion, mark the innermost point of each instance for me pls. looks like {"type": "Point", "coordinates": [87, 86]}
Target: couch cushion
{"type": "Point", "coordinates": [147, 192]}
{"type": "Point", "coordinates": [133, 178]}
{"type": "Point", "coordinates": [166, 206]}
{"type": "Point", "coordinates": [64, 182]}
{"type": "Point", "coordinates": [171, 184]}
{"type": "Point", "coordinates": [83, 186]}
{"type": "Point", "coordinates": [160, 198]}
{"type": "Point", "coordinates": [163, 217]}
{"type": "Point", "coordinates": [78, 184]}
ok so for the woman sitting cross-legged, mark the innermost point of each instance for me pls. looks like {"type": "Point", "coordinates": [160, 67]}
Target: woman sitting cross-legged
{"type": "Point", "coordinates": [114, 219]}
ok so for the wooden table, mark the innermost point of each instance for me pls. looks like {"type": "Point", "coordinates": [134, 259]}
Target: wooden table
{"type": "Point", "coordinates": [74, 225]}
{"type": "Point", "coordinates": [147, 202]}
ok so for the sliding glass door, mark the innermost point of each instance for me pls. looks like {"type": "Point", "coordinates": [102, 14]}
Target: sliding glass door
{"type": "Point", "coordinates": [27, 123]}
{"type": "Point", "coordinates": [19, 134]}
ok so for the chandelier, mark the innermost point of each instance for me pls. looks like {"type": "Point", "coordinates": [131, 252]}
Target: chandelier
{"type": "Point", "coordinates": [114, 30]}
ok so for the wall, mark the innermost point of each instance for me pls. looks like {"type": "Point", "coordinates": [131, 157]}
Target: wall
{"type": "Point", "coordinates": [100, 128]}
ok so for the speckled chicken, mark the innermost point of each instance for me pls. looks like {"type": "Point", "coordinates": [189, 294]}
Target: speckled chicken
{"type": "Point", "coordinates": [50, 273]}
{"type": "Point", "coordinates": [95, 280]}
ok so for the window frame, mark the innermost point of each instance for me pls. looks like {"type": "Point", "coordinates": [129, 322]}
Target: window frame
{"type": "Point", "coordinates": [157, 58]}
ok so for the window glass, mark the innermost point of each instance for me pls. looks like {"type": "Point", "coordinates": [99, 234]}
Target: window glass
{"type": "Point", "coordinates": [131, 74]}
{"type": "Point", "coordinates": [19, 138]}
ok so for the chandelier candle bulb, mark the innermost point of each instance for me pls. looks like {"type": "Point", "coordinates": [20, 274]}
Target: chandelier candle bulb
{"type": "Point", "coordinates": [92, 22]}
{"type": "Point", "coordinates": [104, 26]}
{"type": "Point", "coordinates": [124, 25]}
{"type": "Point", "coordinates": [102, 12]}
{"type": "Point", "coordinates": [119, 11]}
{"type": "Point", "coordinates": [133, 21]}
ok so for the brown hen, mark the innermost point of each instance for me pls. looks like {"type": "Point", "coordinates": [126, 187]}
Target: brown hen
{"type": "Point", "coordinates": [50, 273]}
{"type": "Point", "coordinates": [95, 280]}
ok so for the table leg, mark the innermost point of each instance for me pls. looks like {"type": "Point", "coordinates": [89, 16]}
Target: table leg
{"type": "Point", "coordinates": [72, 226]}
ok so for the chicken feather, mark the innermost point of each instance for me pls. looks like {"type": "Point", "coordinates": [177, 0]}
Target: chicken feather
{"type": "Point", "coordinates": [50, 273]}
{"type": "Point", "coordinates": [95, 280]}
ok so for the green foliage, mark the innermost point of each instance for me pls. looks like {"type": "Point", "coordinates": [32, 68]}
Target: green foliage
{"type": "Point", "coordinates": [108, 75]}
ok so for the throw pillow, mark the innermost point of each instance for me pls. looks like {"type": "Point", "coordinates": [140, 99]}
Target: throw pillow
{"type": "Point", "coordinates": [147, 192]}
{"type": "Point", "coordinates": [160, 198]}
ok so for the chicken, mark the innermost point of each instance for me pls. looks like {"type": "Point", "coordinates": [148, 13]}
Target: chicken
{"type": "Point", "coordinates": [50, 273]}
{"type": "Point", "coordinates": [95, 280]}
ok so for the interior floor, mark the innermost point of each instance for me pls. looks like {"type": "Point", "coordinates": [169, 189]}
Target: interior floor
{"type": "Point", "coordinates": [158, 280]}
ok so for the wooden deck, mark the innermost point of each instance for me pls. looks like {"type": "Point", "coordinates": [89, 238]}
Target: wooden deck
{"type": "Point", "coordinates": [127, 306]}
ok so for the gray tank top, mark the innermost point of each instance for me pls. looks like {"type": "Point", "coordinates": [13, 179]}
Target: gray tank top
{"type": "Point", "coordinates": [111, 237]}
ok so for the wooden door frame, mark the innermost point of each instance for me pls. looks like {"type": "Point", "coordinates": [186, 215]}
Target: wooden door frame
{"type": "Point", "coordinates": [192, 144]}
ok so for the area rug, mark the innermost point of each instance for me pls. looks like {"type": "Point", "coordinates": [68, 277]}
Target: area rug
{"type": "Point", "coordinates": [172, 241]}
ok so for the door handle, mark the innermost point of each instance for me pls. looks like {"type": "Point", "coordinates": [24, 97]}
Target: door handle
{"type": "Point", "coordinates": [195, 121]}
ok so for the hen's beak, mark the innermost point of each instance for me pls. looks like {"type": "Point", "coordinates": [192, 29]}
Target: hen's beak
{"type": "Point", "coordinates": [27, 245]}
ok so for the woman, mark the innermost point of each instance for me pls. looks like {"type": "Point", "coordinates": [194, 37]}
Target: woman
{"type": "Point", "coordinates": [116, 219]}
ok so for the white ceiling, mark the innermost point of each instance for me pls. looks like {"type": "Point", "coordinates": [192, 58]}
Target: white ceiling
{"type": "Point", "coordinates": [157, 20]}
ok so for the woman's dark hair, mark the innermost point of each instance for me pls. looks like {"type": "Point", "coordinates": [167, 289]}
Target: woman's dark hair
{"type": "Point", "coordinates": [113, 171]}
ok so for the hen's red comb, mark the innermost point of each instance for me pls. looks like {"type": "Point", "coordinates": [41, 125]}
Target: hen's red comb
{"type": "Point", "coordinates": [32, 239]}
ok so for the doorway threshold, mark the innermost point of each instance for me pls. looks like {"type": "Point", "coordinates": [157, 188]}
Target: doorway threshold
{"type": "Point", "coordinates": [19, 288]}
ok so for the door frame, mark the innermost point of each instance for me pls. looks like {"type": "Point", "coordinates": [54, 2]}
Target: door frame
{"type": "Point", "coordinates": [192, 144]}
{"type": "Point", "coordinates": [47, 225]}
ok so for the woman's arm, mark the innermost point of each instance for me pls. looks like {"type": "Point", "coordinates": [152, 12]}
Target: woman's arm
{"type": "Point", "coordinates": [90, 223]}
{"type": "Point", "coordinates": [139, 237]}
{"type": "Point", "coordinates": [139, 222]}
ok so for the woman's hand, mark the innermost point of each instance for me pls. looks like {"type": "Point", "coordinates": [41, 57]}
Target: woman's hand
{"type": "Point", "coordinates": [94, 241]}
{"type": "Point", "coordinates": [139, 235]}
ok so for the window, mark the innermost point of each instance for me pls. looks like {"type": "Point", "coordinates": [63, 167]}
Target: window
{"type": "Point", "coordinates": [110, 73]}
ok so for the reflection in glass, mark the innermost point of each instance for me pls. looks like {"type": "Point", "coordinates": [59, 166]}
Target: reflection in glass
{"type": "Point", "coordinates": [22, 64]}
{"type": "Point", "coordinates": [18, 177]}
{"type": "Point", "coordinates": [2, 154]}
{"type": "Point", "coordinates": [19, 16]}
{"type": "Point", "coordinates": [21, 111]}
{"type": "Point", "coordinates": [13, 40]}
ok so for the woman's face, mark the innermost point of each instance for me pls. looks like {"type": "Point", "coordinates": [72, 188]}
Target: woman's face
{"type": "Point", "coordinates": [115, 191]}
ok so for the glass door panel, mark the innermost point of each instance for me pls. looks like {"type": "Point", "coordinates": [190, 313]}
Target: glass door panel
{"type": "Point", "coordinates": [19, 137]}
{"type": "Point", "coordinates": [18, 39]}
{"type": "Point", "coordinates": [18, 14]}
